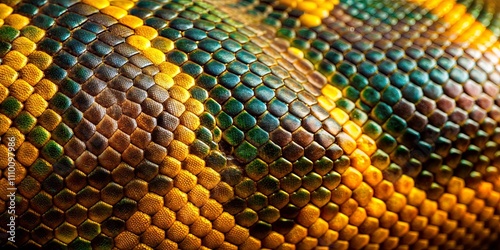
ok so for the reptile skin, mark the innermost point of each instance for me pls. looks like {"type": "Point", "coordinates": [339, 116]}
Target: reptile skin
{"type": "Point", "coordinates": [279, 124]}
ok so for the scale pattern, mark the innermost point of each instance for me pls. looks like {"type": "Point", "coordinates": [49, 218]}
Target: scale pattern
{"type": "Point", "coordinates": [281, 124]}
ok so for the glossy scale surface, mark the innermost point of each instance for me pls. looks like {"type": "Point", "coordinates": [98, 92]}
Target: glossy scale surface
{"type": "Point", "coordinates": [277, 124]}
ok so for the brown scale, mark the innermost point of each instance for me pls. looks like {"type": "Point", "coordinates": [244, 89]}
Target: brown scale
{"type": "Point", "coordinates": [129, 134]}
{"type": "Point", "coordinates": [135, 128]}
{"type": "Point", "coordinates": [437, 118]}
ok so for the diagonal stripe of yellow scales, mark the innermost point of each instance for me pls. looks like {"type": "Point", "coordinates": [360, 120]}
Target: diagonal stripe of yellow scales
{"type": "Point", "coordinates": [315, 10]}
{"type": "Point", "coordinates": [186, 214]}
{"type": "Point", "coordinates": [297, 124]}
{"type": "Point", "coordinates": [383, 201]}
{"type": "Point", "coordinates": [25, 90]}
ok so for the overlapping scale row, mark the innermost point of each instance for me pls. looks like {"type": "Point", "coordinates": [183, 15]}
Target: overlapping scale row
{"type": "Point", "coordinates": [129, 174]}
{"type": "Point", "coordinates": [251, 124]}
{"type": "Point", "coordinates": [404, 80]}
{"type": "Point", "coordinates": [260, 98]}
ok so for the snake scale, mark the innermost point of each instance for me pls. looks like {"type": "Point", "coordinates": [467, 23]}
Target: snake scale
{"type": "Point", "coordinates": [271, 124]}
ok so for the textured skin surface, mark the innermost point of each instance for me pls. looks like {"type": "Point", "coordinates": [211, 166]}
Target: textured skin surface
{"type": "Point", "coordinates": [289, 124]}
